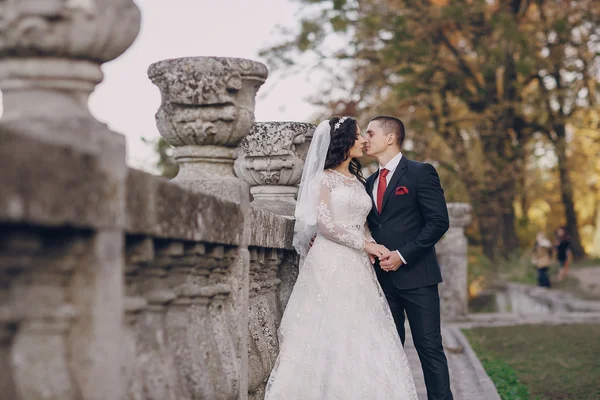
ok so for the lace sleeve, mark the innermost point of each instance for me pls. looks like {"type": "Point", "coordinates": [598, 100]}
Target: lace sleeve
{"type": "Point", "coordinates": [328, 228]}
{"type": "Point", "coordinates": [368, 236]}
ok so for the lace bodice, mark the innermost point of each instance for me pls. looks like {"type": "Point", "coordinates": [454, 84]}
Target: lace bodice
{"type": "Point", "coordinates": [342, 211]}
{"type": "Point", "coordinates": [337, 338]}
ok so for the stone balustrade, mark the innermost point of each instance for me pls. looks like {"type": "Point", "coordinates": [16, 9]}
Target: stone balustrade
{"type": "Point", "coordinates": [116, 284]}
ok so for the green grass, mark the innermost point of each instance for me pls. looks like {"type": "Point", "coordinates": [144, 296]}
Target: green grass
{"type": "Point", "coordinates": [541, 362]}
{"type": "Point", "coordinates": [506, 380]}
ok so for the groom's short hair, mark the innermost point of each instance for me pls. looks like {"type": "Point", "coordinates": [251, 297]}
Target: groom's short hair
{"type": "Point", "coordinates": [392, 125]}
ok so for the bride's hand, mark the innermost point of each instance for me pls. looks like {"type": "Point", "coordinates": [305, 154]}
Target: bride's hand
{"type": "Point", "coordinates": [375, 249]}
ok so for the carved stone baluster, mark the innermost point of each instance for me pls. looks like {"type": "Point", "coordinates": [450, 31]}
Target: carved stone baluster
{"type": "Point", "coordinates": [273, 262]}
{"type": "Point", "coordinates": [264, 317]}
{"type": "Point", "coordinates": [42, 337]}
{"type": "Point", "coordinates": [288, 273]}
{"type": "Point", "coordinates": [7, 330]}
{"type": "Point", "coordinates": [199, 293]}
{"type": "Point", "coordinates": [36, 314]}
{"type": "Point", "coordinates": [257, 348]}
{"type": "Point", "coordinates": [138, 251]}
{"type": "Point", "coordinates": [223, 321]}
{"type": "Point", "coordinates": [183, 332]}
{"type": "Point", "coordinates": [131, 371]}
{"type": "Point", "coordinates": [161, 370]}
{"type": "Point", "coordinates": [155, 375]}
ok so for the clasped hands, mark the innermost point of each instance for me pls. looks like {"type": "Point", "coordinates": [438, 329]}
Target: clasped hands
{"type": "Point", "coordinates": [388, 260]}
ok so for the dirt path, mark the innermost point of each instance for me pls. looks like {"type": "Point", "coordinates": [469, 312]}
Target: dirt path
{"type": "Point", "coordinates": [589, 278]}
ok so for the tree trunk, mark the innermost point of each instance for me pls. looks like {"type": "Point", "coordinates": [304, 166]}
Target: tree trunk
{"type": "Point", "coordinates": [566, 192]}
{"type": "Point", "coordinates": [488, 220]}
{"type": "Point", "coordinates": [510, 240]}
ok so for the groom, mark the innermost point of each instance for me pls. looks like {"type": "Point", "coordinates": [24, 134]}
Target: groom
{"type": "Point", "coordinates": [409, 216]}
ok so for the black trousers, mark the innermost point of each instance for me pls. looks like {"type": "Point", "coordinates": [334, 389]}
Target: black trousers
{"type": "Point", "coordinates": [422, 307]}
{"type": "Point", "coordinates": [543, 277]}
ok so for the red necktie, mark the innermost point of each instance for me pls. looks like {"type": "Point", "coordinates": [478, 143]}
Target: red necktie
{"type": "Point", "coordinates": [381, 188]}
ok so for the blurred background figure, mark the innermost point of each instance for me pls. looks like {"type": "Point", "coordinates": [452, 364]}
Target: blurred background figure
{"type": "Point", "coordinates": [542, 259]}
{"type": "Point", "coordinates": [563, 252]}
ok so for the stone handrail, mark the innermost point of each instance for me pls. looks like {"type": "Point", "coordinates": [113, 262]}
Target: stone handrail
{"type": "Point", "coordinates": [116, 284]}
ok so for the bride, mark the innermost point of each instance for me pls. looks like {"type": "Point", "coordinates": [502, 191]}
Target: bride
{"type": "Point", "coordinates": [337, 336]}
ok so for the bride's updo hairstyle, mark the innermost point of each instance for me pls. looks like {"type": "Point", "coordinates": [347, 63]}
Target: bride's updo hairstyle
{"type": "Point", "coordinates": [342, 140]}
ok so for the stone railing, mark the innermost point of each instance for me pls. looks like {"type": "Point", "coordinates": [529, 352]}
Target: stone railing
{"type": "Point", "coordinates": [115, 284]}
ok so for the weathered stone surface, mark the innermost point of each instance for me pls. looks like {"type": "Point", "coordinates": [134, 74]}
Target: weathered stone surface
{"type": "Point", "coordinates": [288, 273]}
{"type": "Point", "coordinates": [63, 168]}
{"type": "Point", "coordinates": [207, 108]}
{"type": "Point", "coordinates": [160, 208]}
{"type": "Point", "coordinates": [267, 156]}
{"type": "Point", "coordinates": [54, 184]}
{"type": "Point", "coordinates": [269, 162]}
{"type": "Point", "coordinates": [35, 304]}
{"type": "Point", "coordinates": [526, 299]}
{"type": "Point", "coordinates": [99, 30]}
{"type": "Point", "coordinates": [264, 316]}
{"type": "Point", "coordinates": [511, 319]}
{"type": "Point", "coordinates": [452, 256]}
{"type": "Point", "coordinates": [270, 230]}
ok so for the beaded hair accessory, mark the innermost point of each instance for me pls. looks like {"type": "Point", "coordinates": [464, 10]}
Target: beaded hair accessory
{"type": "Point", "coordinates": [339, 123]}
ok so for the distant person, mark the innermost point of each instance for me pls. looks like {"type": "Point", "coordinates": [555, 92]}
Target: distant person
{"type": "Point", "coordinates": [563, 252]}
{"type": "Point", "coordinates": [542, 259]}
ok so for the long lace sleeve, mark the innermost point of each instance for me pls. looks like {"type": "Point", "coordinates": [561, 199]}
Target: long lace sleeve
{"type": "Point", "coordinates": [368, 236]}
{"type": "Point", "coordinates": [328, 228]}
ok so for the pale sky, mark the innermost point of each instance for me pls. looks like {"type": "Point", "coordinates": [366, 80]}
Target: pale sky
{"type": "Point", "coordinates": [127, 100]}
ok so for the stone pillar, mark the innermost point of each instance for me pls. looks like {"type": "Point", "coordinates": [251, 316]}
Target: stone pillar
{"type": "Point", "coordinates": [452, 256]}
{"type": "Point", "coordinates": [207, 109]}
{"type": "Point", "coordinates": [71, 172]}
{"type": "Point", "coordinates": [269, 161]}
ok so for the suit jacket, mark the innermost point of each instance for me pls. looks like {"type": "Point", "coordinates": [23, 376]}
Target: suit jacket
{"type": "Point", "coordinates": [413, 218]}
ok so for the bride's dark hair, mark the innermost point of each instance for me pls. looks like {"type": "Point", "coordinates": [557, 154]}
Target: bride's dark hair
{"type": "Point", "coordinates": [342, 140]}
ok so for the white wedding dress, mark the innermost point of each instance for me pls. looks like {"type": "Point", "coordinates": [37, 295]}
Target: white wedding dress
{"type": "Point", "coordinates": [337, 337]}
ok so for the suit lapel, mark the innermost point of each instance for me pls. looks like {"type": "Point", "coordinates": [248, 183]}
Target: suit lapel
{"type": "Point", "coordinates": [370, 184]}
{"type": "Point", "coordinates": [398, 173]}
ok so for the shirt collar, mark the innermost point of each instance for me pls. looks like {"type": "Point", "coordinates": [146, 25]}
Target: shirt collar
{"type": "Point", "coordinates": [393, 163]}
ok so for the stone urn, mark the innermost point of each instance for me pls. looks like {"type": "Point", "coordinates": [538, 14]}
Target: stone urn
{"type": "Point", "coordinates": [51, 52]}
{"type": "Point", "coordinates": [271, 159]}
{"type": "Point", "coordinates": [207, 109]}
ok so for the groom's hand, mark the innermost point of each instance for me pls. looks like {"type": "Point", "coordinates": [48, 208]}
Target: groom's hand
{"type": "Point", "coordinates": [390, 261]}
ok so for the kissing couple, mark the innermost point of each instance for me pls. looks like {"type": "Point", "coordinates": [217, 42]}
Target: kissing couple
{"type": "Point", "coordinates": [371, 263]}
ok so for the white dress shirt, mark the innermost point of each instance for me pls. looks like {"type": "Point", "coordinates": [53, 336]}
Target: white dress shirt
{"type": "Point", "coordinates": [390, 166]}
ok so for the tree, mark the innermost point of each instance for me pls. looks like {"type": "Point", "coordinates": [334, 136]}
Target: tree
{"type": "Point", "coordinates": [166, 165]}
{"type": "Point", "coordinates": [566, 81]}
{"type": "Point", "coordinates": [467, 68]}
